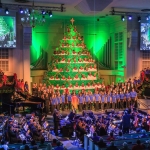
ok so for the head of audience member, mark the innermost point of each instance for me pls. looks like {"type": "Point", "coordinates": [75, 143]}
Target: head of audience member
{"type": "Point", "coordinates": [111, 134]}
{"type": "Point", "coordinates": [58, 143]}
{"type": "Point", "coordinates": [49, 146]}
{"type": "Point", "coordinates": [94, 134]}
{"type": "Point", "coordinates": [112, 143]}
{"type": "Point", "coordinates": [101, 139]}
{"type": "Point", "coordinates": [24, 142]}
{"type": "Point", "coordinates": [54, 142]}
{"type": "Point", "coordinates": [120, 133]}
{"type": "Point", "coordinates": [138, 142]}
{"type": "Point", "coordinates": [33, 142]}
{"type": "Point", "coordinates": [2, 142]}
{"type": "Point", "coordinates": [111, 137]}
{"type": "Point", "coordinates": [26, 147]}
{"type": "Point", "coordinates": [125, 145]}
{"type": "Point", "coordinates": [35, 148]}
{"type": "Point", "coordinates": [42, 140]}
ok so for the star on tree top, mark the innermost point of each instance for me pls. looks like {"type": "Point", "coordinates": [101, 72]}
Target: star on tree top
{"type": "Point", "coordinates": [72, 21]}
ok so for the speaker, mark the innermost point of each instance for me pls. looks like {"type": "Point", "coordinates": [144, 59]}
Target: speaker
{"type": "Point", "coordinates": [27, 36]}
{"type": "Point", "coordinates": [132, 39]}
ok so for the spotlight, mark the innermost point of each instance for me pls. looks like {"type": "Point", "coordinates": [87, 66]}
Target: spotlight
{"type": "Point", "coordinates": [122, 18]}
{"type": "Point", "coordinates": [139, 19]}
{"type": "Point", "coordinates": [147, 18]}
{"type": "Point", "coordinates": [129, 17]}
{"type": "Point", "coordinates": [29, 12]}
{"type": "Point", "coordinates": [50, 14]}
{"type": "Point", "coordinates": [6, 11]}
{"type": "Point", "coordinates": [62, 8]}
{"type": "Point", "coordinates": [21, 10]}
{"type": "Point", "coordinates": [43, 12]}
{"type": "Point", "coordinates": [22, 19]}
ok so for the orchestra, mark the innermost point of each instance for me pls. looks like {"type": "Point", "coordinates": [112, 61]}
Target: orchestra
{"type": "Point", "coordinates": [25, 128]}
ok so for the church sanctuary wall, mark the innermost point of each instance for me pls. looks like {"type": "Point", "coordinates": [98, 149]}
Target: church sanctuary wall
{"type": "Point", "coordinates": [110, 76]}
{"type": "Point", "coordinates": [19, 57]}
{"type": "Point", "coordinates": [134, 55]}
{"type": "Point", "coordinates": [48, 36]}
{"type": "Point", "coordinates": [118, 30]}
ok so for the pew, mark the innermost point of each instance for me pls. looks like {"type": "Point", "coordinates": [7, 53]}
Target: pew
{"type": "Point", "coordinates": [86, 142]}
{"type": "Point", "coordinates": [91, 144]}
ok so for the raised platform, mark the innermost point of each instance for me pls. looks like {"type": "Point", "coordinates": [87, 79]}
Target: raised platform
{"type": "Point", "coordinates": [144, 105]}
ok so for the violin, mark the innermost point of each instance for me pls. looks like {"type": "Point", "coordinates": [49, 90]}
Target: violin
{"type": "Point", "coordinates": [136, 122]}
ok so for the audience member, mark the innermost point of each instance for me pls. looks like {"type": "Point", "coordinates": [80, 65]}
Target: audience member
{"type": "Point", "coordinates": [138, 146]}
{"type": "Point", "coordinates": [101, 143]}
{"type": "Point", "coordinates": [49, 146]}
{"type": "Point", "coordinates": [95, 138]}
{"type": "Point", "coordinates": [120, 136]}
{"type": "Point", "coordinates": [59, 146]}
{"type": "Point", "coordinates": [26, 147]}
{"type": "Point", "coordinates": [4, 145]}
{"type": "Point", "coordinates": [143, 135]}
{"type": "Point", "coordinates": [125, 146]}
{"type": "Point", "coordinates": [23, 144]}
{"type": "Point", "coordinates": [54, 143]}
{"type": "Point", "coordinates": [33, 144]}
{"type": "Point", "coordinates": [42, 144]}
{"type": "Point", "coordinates": [111, 137]}
{"type": "Point", "coordinates": [112, 146]}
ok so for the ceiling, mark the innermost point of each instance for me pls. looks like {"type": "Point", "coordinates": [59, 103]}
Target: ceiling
{"type": "Point", "coordinates": [89, 8]}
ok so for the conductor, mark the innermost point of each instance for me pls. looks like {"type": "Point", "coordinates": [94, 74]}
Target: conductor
{"type": "Point", "coordinates": [126, 122]}
{"type": "Point", "coordinates": [56, 119]}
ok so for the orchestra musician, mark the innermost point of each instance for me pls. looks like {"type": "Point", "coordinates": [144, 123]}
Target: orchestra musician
{"type": "Point", "coordinates": [47, 102]}
{"type": "Point", "coordinates": [56, 119]}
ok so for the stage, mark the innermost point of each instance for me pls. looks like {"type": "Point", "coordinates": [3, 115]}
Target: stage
{"type": "Point", "coordinates": [144, 105]}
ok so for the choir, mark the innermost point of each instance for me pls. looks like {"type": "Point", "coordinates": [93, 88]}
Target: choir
{"type": "Point", "coordinates": [118, 96]}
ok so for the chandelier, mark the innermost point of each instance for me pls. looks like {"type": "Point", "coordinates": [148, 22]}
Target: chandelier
{"type": "Point", "coordinates": [30, 14]}
{"type": "Point", "coordinates": [33, 18]}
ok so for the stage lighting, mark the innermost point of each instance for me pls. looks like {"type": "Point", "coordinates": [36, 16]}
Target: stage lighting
{"type": "Point", "coordinates": [122, 18]}
{"type": "Point", "coordinates": [21, 10]}
{"type": "Point", "coordinates": [50, 14]}
{"type": "Point", "coordinates": [139, 19]}
{"type": "Point", "coordinates": [6, 11]}
{"type": "Point", "coordinates": [22, 19]}
{"type": "Point", "coordinates": [43, 12]}
{"type": "Point", "coordinates": [29, 12]}
{"type": "Point", "coordinates": [147, 18]}
{"type": "Point", "coordinates": [129, 17]}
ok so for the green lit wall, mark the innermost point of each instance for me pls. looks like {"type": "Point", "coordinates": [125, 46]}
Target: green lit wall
{"type": "Point", "coordinates": [47, 36]}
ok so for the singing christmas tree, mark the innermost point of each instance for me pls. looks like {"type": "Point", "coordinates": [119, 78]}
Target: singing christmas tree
{"type": "Point", "coordinates": [72, 66]}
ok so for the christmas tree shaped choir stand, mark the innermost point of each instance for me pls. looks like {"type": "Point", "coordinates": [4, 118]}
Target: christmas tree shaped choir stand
{"type": "Point", "coordinates": [72, 66]}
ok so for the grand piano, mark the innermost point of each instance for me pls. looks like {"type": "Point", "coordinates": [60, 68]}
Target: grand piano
{"type": "Point", "coordinates": [24, 100]}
